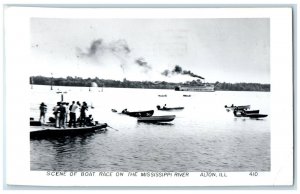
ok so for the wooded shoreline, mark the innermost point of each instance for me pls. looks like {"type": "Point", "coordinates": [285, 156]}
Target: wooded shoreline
{"type": "Point", "coordinates": [78, 81]}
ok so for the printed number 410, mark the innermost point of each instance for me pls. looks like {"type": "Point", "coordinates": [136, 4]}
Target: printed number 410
{"type": "Point", "coordinates": [253, 173]}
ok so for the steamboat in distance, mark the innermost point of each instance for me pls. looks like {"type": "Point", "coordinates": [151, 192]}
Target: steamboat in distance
{"type": "Point", "coordinates": [196, 86]}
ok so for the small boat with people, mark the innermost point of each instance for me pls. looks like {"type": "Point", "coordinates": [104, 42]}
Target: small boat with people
{"type": "Point", "coordinates": [165, 108]}
{"type": "Point", "coordinates": [59, 125]}
{"type": "Point", "coordinates": [251, 114]}
{"type": "Point", "coordinates": [147, 113]}
{"type": "Point", "coordinates": [157, 119]}
{"type": "Point", "coordinates": [49, 131]}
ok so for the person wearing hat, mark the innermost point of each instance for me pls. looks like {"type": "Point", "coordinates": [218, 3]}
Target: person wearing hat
{"type": "Point", "coordinates": [83, 109]}
{"type": "Point", "coordinates": [43, 110]}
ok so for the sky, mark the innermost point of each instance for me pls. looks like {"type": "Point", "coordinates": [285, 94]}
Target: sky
{"type": "Point", "coordinates": [224, 50]}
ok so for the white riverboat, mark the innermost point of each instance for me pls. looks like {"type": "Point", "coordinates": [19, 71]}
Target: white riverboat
{"type": "Point", "coordinates": [199, 88]}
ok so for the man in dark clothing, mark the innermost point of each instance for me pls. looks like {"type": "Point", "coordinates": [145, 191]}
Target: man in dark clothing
{"type": "Point", "coordinates": [89, 121]}
{"type": "Point", "coordinates": [43, 110]}
{"type": "Point", "coordinates": [84, 108]}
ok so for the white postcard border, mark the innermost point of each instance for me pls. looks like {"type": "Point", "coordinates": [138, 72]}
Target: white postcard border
{"type": "Point", "coordinates": [17, 52]}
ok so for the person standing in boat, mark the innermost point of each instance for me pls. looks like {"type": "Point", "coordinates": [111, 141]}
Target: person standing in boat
{"type": "Point", "coordinates": [62, 115]}
{"type": "Point", "coordinates": [66, 104]}
{"type": "Point", "coordinates": [43, 110]}
{"type": "Point", "coordinates": [83, 108]}
{"type": "Point", "coordinates": [73, 109]}
{"type": "Point", "coordinates": [56, 114]}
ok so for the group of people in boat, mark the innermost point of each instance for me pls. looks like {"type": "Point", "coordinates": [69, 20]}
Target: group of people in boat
{"type": "Point", "coordinates": [61, 112]}
{"type": "Point", "coordinates": [243, 111]}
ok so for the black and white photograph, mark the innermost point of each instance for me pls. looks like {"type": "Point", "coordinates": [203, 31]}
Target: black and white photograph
{"type": "Point", "coordinates": [151, 95]}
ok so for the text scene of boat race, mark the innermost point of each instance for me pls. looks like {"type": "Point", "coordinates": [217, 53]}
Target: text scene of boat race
{"type": "Point", "coordinates": [171, 95]}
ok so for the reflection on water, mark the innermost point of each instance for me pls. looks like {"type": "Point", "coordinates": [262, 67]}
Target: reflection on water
{"type": "Point", "coordinates": [203, 136]}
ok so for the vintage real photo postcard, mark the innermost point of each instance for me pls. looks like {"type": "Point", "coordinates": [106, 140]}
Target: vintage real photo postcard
{"type": "Point", "coordinates": [148, 96]}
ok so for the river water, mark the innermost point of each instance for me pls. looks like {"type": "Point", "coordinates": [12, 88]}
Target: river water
{"type": "Point", "coordinates": [203, 137]}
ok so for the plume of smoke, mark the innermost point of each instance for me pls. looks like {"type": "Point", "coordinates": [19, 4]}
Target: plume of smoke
{"type": "Point", "coordinates": [142, 63]}
{"type": "Point", "coordinates": [178, 70]}
{"type": "Point", "coordinates": [166, 73]}
{"type": "Point", "coordinates": [98, 47]}
{"type": "Point", "coordinates": [192, 74]}
{"type": "Point", "coordinates": [119, 49]}
{"type": "Point", "coordinates": [95, 47]}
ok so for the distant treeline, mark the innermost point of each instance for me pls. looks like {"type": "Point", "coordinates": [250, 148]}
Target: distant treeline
{"type": "Point", "coordinates": [78, 81]}
{"type": "Point", "coordinates": [242, 87]}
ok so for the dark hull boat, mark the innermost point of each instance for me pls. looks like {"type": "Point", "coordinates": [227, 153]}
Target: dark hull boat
{"type": "Point", "coordinates": [147, 113]}
{"type": "Point", "coordinates": [237, 114]}
{"type": "Point", "coordinates": [50, 131]}
{"type": "Point", "coordinates": [251, 111]}
{"type": "Point", "coordinates": [232, 107]}
{"type": "Point", "coordinates": [251, 114]}
{"type": "Point", "coordinates": [254, 115]}
{"type": "Point", "coordinates": [35, 123]}
{"type": "Point", "coordinates": [157, 119]}
{"type": "Point", "coordinates": [169, 108]}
